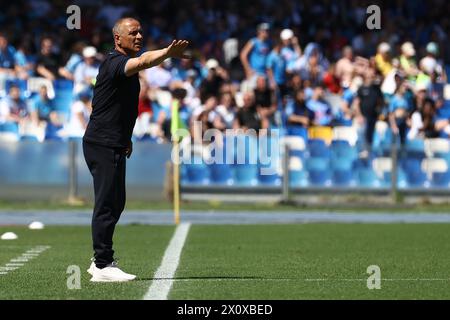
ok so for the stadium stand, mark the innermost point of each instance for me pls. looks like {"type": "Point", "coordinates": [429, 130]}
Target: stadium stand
{"type": "Point", "coordinates": [328, 135]}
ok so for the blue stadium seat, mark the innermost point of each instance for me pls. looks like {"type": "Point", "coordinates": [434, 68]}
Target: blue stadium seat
{"type": "Point", "coordinates": [343, 149]}
{"type": "Point", "coordinates": [51, 132]}
{"type": "Point", "coordinates": [319, 173]}
{"type": "Point", "coordinates": [221, 174]}
{"type": "Point", "coordinates": [183, 174]}
{"type": "Point", "coordinates": [415, 149]}
{"type": "Point", "coordinates": [343, 178]}
{"type": "Point", "coordinates": [63, 95]}
{"type": "Point", "coordinates": [298, 178]}
{"type": "Point", "coordinates": [63, 84]}
{"type": "Point", "coordinates": [318, 148]}
{"type": "Point", "coordinates": [414, 173]}
{"type": "Point", "coordinates": [10, 127]}
{"type": "Point", "coordinates": [270, 176]}
{"type": "Point", "coordinates": [246, 174]}
{"type": "Point", "coordinates": [29, 138]}
{"type": "Point", "coordinates": [342, 171]}
{"type": "Point", "coordinates": [341, 164]}
{"type": "Point", "coordinates": [297, 131]}
{"type": "Point", "coordinates": [402, 181]}
{"type": "Point", "coordinates": [246, 149]}
{"type": "Point", "coordinates": [440, 179]}
{"type": "Point", "coordinates": [367, 177]}
{"type": "Point", "coordinates": [197, 173]}
{"type": "Point", "coordinates": [319, 177]}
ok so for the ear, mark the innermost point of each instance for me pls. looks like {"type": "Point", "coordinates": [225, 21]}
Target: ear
{"type": "Point", "coordinates": [117, 39]}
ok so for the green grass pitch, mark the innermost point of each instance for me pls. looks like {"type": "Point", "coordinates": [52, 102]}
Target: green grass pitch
{"type": "Point", "coordinates": [304, 261]}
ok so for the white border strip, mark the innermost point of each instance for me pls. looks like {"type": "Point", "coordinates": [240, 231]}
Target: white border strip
{"type": "Point", "coordinates": [20, 261]}
{"type": "Point", "coordinates": [163, 278]}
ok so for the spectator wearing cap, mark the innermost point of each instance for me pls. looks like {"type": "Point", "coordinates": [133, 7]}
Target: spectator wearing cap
{"type": "Point", "coordinates": [407, 61]}
{"type": "Point", "coordinates": [190, 84]}
{"type": "Point", "coordinates": [431, 63]}
{"type": "Point", "coordinates": [255, 52]}
{"type": "Point", "coordinates": [290, 50]}
{"type": "Point", "coordinates": [47, 62]}
{"type": "Point", "coordinates": [215, 77]}
{"type": "Point", "coordinates": [427, 67]}
{"type": "Point", "coordinates": [383, 61]}
{"type": "Point", "coordinates": [86, 72]}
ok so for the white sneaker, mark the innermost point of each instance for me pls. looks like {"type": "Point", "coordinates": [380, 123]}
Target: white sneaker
{"type": "Point", "coordinates": [111, 273]}
{"type": "Point", "coordinates": [92, 268]}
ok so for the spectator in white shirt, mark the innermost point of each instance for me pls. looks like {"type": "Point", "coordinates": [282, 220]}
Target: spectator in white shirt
{"type": "Point", "coordinates": [86, 71]}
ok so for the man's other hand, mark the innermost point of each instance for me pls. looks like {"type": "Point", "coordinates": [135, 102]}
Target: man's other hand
{"type": "Point", "coordinates": [129, 150]}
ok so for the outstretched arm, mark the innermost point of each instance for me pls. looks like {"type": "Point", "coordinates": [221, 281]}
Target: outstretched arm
{"type": "Point", "coordinates": [153, 58]}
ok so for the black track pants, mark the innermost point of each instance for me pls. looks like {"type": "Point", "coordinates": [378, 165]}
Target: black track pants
{"type": "Point", "coordinates": [107, 166]}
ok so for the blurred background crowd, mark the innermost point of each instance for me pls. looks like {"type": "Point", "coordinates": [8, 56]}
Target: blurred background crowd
{"type": "Point", "coordinates": [286, 64]}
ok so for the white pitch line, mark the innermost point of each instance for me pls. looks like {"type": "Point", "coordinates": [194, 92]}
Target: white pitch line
{"type": "Point", "coordinates": [305, 280]}
{"type": "Point", "coordinates": [163, 278]}
{"type": "Point", "coordinates": [19, 261]}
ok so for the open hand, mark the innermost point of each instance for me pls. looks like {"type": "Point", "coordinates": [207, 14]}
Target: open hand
{"type": "Point", "coordinates": [176, 49]}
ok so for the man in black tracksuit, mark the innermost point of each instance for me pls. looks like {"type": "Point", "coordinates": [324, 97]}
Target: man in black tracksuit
{"type": "Point", "coordinates": [107, 141]}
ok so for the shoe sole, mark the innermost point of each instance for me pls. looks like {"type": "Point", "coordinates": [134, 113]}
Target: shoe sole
{"type": "Point", "coordinates": [109, 280]}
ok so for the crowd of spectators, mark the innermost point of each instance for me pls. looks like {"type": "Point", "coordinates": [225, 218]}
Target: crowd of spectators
{"type": "Point", "coordinates": [256, 64]}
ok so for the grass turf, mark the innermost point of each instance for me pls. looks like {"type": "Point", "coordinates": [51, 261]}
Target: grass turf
{"type": "Point", "coordinates": [209, 206]}
{"type": "Point", "coordinates": [306, 261]}
{"type": "Point", "coordinates": [139, 249]}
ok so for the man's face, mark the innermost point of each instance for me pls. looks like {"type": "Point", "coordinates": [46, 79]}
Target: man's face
{"type": "Point", "coordinates": [3, 43]}
{"type": "Point", "coordinates": [14, 93]}
{"type": "Point", "coordinates": [248, 100]}
{"type": "Point", "coordinates": [90, 61]}
{"type": "Point", "coordinates": [130, 36]}
{"type": "Point", "coordinates": [263, 34]}
{"type": "Point", "coordinates": [46, 46]}
{"type": "Point", "coordinates": [43, 92]}
{"type": "Point", "coordinates": [261, 83]}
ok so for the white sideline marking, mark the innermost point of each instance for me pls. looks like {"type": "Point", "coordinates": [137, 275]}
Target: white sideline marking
{"type": "Point", "coordinates": [19, 261]}
{"type": "Point", "coordinates": [163, 278]}
{"type": "Point", "coordinates": [306, 280]}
